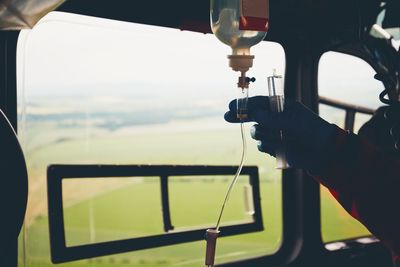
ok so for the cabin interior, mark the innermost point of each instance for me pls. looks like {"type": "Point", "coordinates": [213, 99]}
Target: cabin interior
{"type": "Point", "coordinates": [123, 157]}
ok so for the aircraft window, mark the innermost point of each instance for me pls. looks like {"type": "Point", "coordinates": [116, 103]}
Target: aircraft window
{"type": "Point", "coordinates": [348, 79]}
{"type": "Point", "coordinates": [97, 91]}
{"type": "Point", "coordinates": [351, 80]}
{"type": "Point", "coordinates": [185, 205]}
{"type": "Point", "coordinates": [109, 215]}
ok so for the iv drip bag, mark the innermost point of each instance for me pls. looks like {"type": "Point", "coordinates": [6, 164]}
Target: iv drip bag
{"type": "Point", "coordinates": [240, 24]}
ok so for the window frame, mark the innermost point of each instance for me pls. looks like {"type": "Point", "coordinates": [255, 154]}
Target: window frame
{"type": "Point", "coordinates": [56, 174]}
{"type": "Point", "coordinates": [8, 104]}
{"type": "Point", "coordinates": [353, 248]}
{"type": "Point", "coordinates": [350, 111]}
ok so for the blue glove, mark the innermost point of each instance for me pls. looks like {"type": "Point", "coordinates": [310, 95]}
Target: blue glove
{"type": "Point", "coordinates": [309, 140]}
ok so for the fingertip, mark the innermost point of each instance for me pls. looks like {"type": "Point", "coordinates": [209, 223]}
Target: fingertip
{"type": "Point", "coordinates": [265, 148]}
{"type": "Point", "coordinates": [256, 132]}
{"type": "Point", "coordinates": [253, 130]}
{"type": "Point", "coordinates": [232, 105]}
{"type": "Point", "coordinates": [259, 145]}
{"type": "Point", "coordinates": [231, 117]}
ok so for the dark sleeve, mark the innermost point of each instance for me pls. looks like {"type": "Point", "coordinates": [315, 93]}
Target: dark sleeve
{"type": "Point", "coordinates": [366, 182]}
{"type": "Point", "coordinates": [396, 259]}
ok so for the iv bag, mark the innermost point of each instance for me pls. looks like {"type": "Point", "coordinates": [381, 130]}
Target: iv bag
{"type": "Point", "coordinates": [240, 23]}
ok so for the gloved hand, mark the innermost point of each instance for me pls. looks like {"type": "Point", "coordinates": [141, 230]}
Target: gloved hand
{"type": "Point", "coordinates": [308, 139]}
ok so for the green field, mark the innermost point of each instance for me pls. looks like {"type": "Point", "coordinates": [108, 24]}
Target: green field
{"type": "Point", "coordinates": [114, 208]}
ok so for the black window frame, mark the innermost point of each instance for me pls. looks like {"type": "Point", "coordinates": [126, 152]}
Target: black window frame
{"type": "Point", "coordinates": [57, 173]}
{"type": "Point", "coordinates": [8, 104]}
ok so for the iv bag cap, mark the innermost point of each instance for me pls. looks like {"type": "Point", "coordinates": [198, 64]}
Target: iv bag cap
{"type": "Point", "coordinates": [241, 63]}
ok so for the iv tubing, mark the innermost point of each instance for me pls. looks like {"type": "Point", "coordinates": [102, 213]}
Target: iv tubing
{"type": "Point", "coordinates": [235, 178]}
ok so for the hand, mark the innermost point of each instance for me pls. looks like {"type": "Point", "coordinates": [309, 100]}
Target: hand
{"type": "Point", "coordinates": [308, 138]}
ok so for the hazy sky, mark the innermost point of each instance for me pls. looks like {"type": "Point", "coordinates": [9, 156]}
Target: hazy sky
{"type": "Point", "coordinates": [70, 49]}
{"type": "Point", "coordinates": [69, 54]}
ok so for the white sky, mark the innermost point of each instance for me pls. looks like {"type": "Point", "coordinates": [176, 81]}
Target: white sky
{"type": "Point", "coordinates": [67, 49]}
{"type": "Point", "coordinates": [68, 53]}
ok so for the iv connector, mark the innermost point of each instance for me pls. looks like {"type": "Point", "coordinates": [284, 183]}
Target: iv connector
{"type": "Point", "coordinates": [241, 63]}
{"type": "Point", "coordinates": [243, 97]}
{"type": "Point", "coordinates": [211, 238]}
{"type": "Point", "coordinates": [243, 82]}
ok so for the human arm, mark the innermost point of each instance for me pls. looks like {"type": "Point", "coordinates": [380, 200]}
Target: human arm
{"type": "Point", "coordinates": [363, 179]}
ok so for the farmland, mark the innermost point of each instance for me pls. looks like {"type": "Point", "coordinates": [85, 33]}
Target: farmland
{"type": "Point", "coordinates": [111, 209]}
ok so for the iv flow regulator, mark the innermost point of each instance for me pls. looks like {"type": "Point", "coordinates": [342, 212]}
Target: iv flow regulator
{"type": "Point", "coordinates": [242, 24]}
